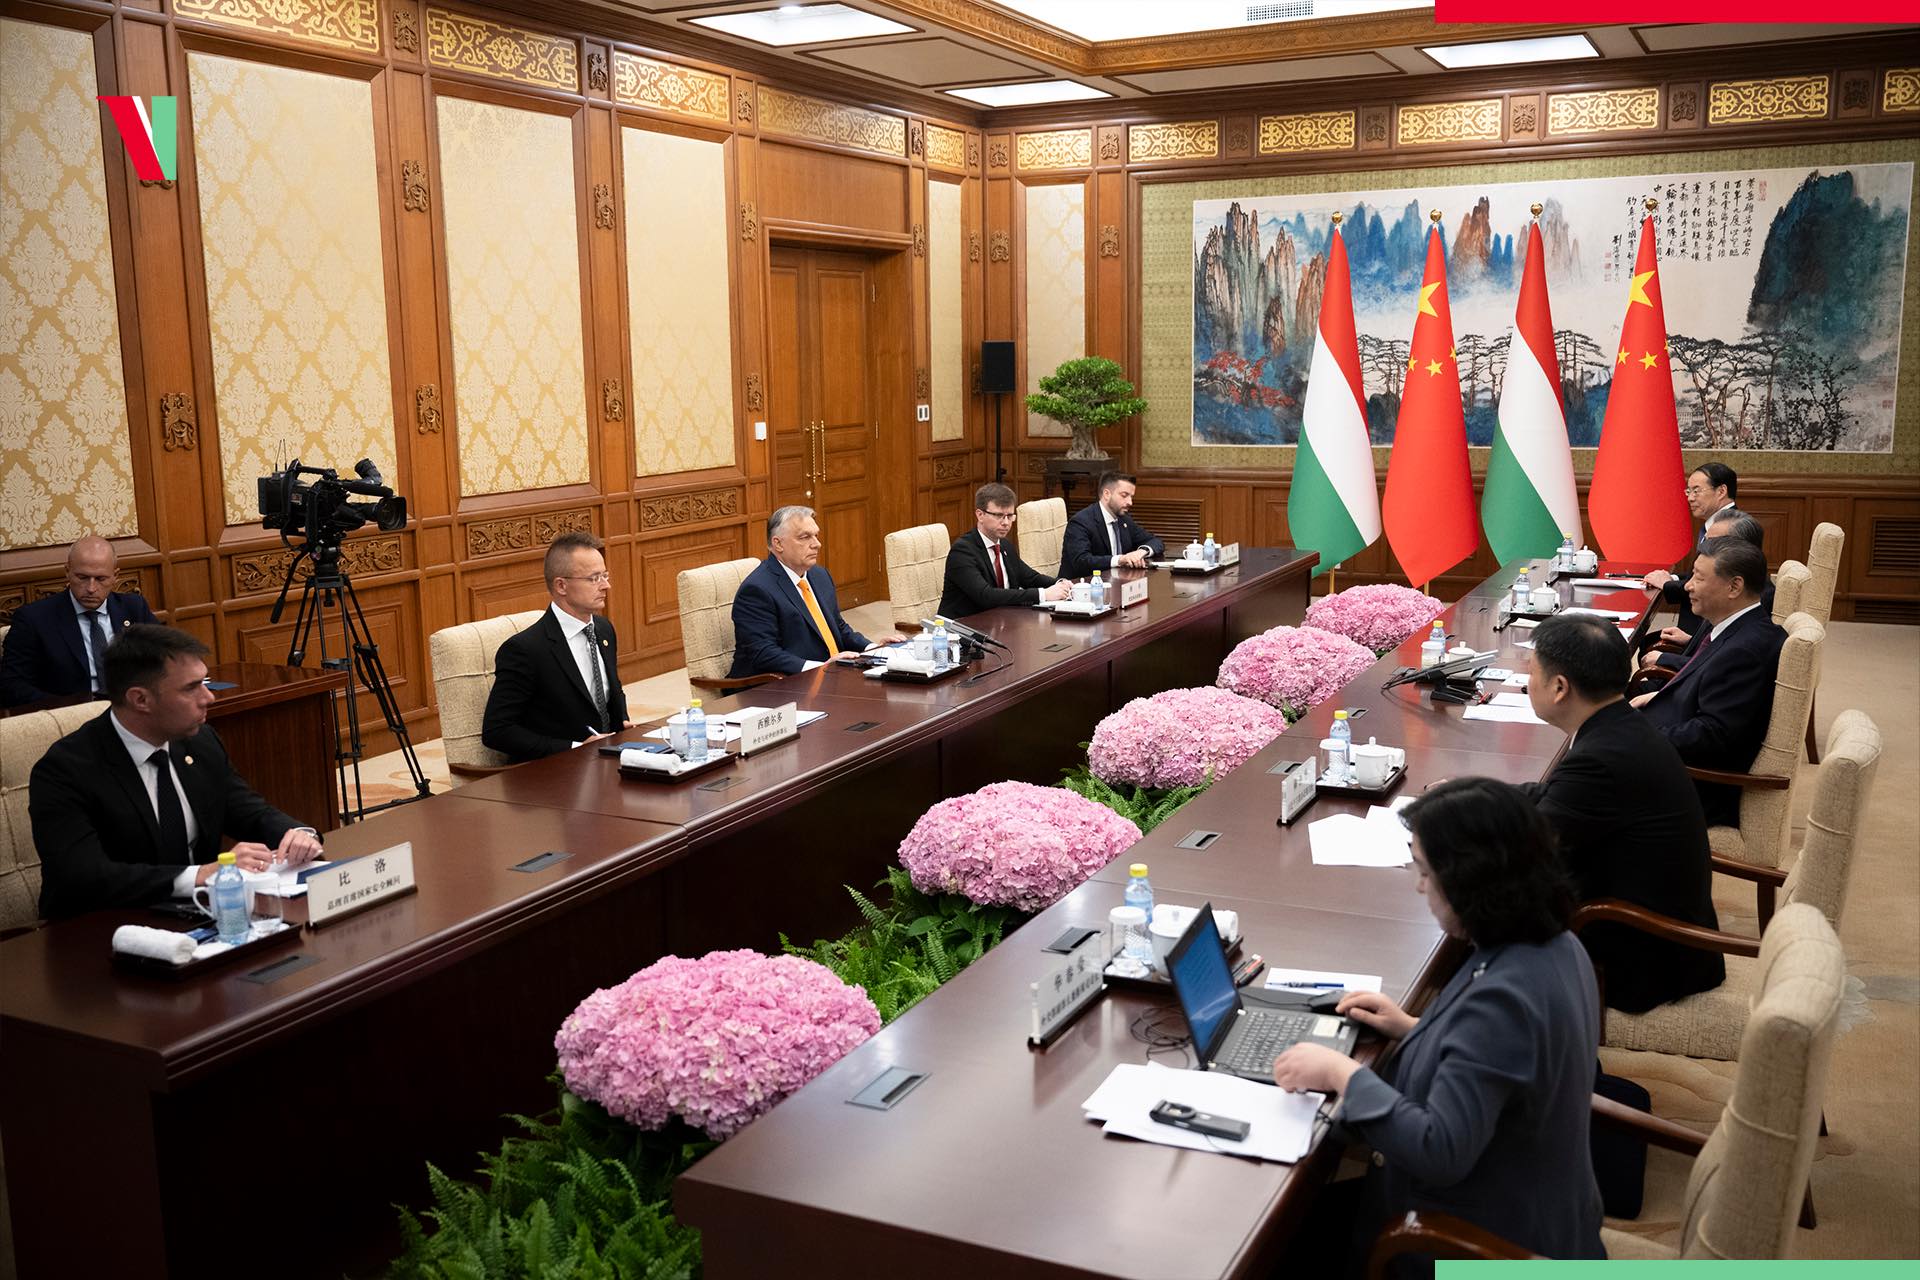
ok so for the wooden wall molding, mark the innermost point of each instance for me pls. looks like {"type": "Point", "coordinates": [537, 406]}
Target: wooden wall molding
{"type": "Point", "coordinates": [480, 46]}
{"type": "Point", "coordinates": [1603, 111]}
{"type": "Point", "coordinates": [524, 533]}
{"type": "Point", "coordinates": [1306, 131]}
{"type": "Point", "coordinates": [670, 87]}
{"type": "Point", "coordinates": [946, 148]}
{"type": "Point", "coordinates": [1423, 124]}
{"type": "Point", "coordinates": [1183, 140]}
{"type": "Point", "coordinates": [1055, 149]}
{"type": "Point", "coordinates": [689, 508]}
{"type": "Point", "coordinates": [1765, 101]}
{"type": "Point", "coordinates": [1902, 93]}
{"type": "Point", "coordinates": [332, 24]}
{"type": "Point", "coordinates": [267, 570]}
{"type": "Point", "coordinates": [800, 116]}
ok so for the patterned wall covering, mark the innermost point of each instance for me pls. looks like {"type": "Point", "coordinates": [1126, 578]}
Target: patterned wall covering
{"type": "Point", "coordinates": [513, 291]}
{"type": "Point", "coordinates": [296, 296]}
{"type": "Point", "coordinates": [946, 328]}
{"type": "Point", "coordinates": [678, 302]}
{"type": "Point", "coordinates": [64, 464]}
{"type": "Point", "coordinates": [1056, 286]}
{"type": "Point", "coordinates": [1166, 294]}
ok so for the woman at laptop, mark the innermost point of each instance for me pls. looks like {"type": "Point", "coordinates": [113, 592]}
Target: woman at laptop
{"type": "Point", "coordinates": [1482, 1108]}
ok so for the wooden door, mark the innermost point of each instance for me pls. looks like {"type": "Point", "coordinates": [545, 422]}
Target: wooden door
{"type": "Point", "coordinates": [822, 407]}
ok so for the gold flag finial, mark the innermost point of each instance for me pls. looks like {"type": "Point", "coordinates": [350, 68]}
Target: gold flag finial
{"type": "Point", "coordinates": [1652, 204]}
{"type": "Point", "coordinates": [1536, 206]}
{"type": "Point", "coordinates": [1337, 217]}
{"type": "Point", "coordinates": [1434, 216]}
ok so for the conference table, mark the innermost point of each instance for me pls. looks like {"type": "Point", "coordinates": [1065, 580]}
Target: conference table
{"type": "Point", "coordinates": [346, 1056]}
{"type": "Point", "coordinates": [989, 1166]}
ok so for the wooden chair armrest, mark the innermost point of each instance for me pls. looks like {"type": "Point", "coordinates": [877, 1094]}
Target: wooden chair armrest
{"type": "Point", "coordinates": [1756, 781]}
{"type": "Point", "coordinates": [1654, 675]}
{"type": "Point", "coordinates": [1747, 870]}
{"type": "Point", "coordinates": [1437, 1235]}
{"type": "Point", "coordinates": [1614, 911]}
{"type": "Point", "coordinates": [1665, 646]}
{"type": "Point", "coordinates": [731, 685]}
{"type": "Point", "coordinates": [1652, 1129]}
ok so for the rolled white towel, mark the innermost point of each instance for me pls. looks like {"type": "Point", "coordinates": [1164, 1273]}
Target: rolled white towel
{"type": "Point", "coordinates": [655, 761]}
{"type": "Point", "coordinates": [904, 662]}
{"type": "Point", "coordinates": [156, 944]}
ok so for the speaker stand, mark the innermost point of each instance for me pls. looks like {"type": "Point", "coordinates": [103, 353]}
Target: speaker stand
{"type": "Point", "coordinates": [999, 472]}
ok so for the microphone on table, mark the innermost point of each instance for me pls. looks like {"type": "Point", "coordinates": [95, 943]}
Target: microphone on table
{"type": "Point", "coordinates": [962, 630]}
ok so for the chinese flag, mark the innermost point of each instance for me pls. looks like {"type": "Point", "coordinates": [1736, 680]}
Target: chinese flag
{"type": "Point", "coordinates": [1429, 515]}
{"type": "Point", "coordinates": [1638, 501]}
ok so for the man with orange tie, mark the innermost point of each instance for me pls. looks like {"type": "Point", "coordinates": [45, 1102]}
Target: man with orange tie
{"type": "Point", "coordinates": [786, 617]}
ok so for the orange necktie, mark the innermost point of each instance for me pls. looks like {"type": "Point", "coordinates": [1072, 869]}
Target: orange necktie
{"type": "Point", "coordinates": [819, 618]}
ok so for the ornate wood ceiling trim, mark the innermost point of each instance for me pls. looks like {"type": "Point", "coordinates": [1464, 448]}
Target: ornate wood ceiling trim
{"type": "Point", "coordinates": [668, 86]}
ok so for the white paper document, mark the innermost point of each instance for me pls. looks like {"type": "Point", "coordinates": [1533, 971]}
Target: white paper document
{"type": "Point", "coordinates": [1608, 584]}
{"type": "Point", "coordinates": [1280, 1123]}
{"type": "Point", "coordinates": [1502, 715]}
{"type": "Point", "coordinates": [1618, 615]}
{"type": "Point", "coordinates": [1512, 700]}
{"type": "Point", "coordinates": [1348, 840]}
{"type": "Point", "coordinates": [283, 881]}
{"type": "Point", "coordinates": [1517, 681]}
{"type": "Point", "coordinates": [1308, 979]}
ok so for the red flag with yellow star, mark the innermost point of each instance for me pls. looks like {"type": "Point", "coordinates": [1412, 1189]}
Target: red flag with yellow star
{"type": "Point", "coordinates": [1428, 510]}
{"type": "Point", "coordinates": [1638, 502]}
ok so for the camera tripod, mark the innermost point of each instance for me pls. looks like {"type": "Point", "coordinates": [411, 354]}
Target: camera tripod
{"type": "Point", "coordinates": [328, 589]}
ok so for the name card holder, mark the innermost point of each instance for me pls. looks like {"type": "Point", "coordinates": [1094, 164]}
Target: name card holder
{"type": "Point", "coordinates": [1229, 554]}
{"type": "Point", "coordinates": [1133, 591]}
{"type": "Point", "coordinates": [358, 883]}
{"type": "Point", "coordinates": [761, 729]}
{"type": "Point", "coordinates": [1065, 992]}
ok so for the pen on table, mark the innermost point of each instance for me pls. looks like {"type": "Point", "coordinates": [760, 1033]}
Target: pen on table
{"type": "Point", "coordinates": [1307, 986]}
{"type": "Point", "coordinates": [1248, 969]}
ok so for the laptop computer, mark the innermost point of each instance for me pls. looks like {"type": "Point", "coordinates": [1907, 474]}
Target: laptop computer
{"type": "Point", "coordinates": [1227, 1035]}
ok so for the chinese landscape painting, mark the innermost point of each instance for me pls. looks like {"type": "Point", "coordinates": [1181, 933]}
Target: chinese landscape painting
{"type": "Point", "coordinates": [1782, 291]}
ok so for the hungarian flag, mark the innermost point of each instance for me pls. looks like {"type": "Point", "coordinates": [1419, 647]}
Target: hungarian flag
{"type": "Point", "coordinates": [1332, 505]}
{"type": "Point", "coordinates": [1638, 501]}
{"type": "Point", "coordinates": [1530, 503]}
{"type": "Point", "coordinates": [1429, 505]}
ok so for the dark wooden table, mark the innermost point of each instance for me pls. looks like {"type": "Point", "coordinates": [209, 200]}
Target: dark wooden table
{"type": "Point", "coordinates": [989, 1166]}
{"type": "Point", "coordinates": [424, 1019]}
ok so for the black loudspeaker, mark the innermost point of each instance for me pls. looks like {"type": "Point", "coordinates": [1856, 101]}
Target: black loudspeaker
{"type": "Point", "coordinates": [996, 368]}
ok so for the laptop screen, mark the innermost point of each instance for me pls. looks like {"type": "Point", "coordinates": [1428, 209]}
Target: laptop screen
{"type": "Point", "coordinates": [1202, 981]}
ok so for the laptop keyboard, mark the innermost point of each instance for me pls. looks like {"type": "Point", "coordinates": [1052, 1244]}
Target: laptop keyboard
{"type": "Point", "coordinates": [1267, 1036]}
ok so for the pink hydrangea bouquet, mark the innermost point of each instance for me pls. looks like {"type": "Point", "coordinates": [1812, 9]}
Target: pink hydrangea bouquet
{"type": "Point", "coordinates": [1013, 844]}
{"type": "Point", "coordinates": [716, 1041]}
{"type": "Point", "coordinates": [1181, 737]}
{"type": "Point", "coordinates": [1293, 668]}
{"type": "Point", "coordinates": [1380, 617]}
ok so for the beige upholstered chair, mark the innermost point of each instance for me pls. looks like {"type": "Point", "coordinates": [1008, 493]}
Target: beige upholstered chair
{"type": "Point", "coordinates": [1041, 528]}
{"type": "Point", "coordinates": [1823, 561]}
{"type": "Point", "coordinates": [23, 740]}
{"type": "Point", "coordinates": [1789, 589]}
{"type": "Point", "coordinates": [1757, 849]}
{"type": "Point", "coordinates": [462, 658]}
{"type": "Point", "coordinates": [1710, 1024]}
{"type": "Point", "coordinates": [706, 623]}
{"type": "Point", "coordinates": [916, 571]}
{"type": "Point", "coordinates": [1749, 1178]}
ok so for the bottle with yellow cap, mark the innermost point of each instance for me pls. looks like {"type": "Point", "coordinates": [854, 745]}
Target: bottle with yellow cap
{"type": "Point", "coordinates": [229, 895]}
{"type": "Point", "coordinates": [1213, 551]}
{"type": "Point", "coordinates": [696, 732]}
{"type": "Point", "coordinates": [1339, 748]}
{"type": "Point", "coordinates": [1139, 894]}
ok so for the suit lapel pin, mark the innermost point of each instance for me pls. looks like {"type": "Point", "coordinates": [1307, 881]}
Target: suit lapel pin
{"type": "Point", "coordinates": [187, 760]}
{"type": "Point", "coordinates": [603, 644]}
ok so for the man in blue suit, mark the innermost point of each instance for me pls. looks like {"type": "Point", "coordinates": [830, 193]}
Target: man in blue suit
{"type": "Point", "coordinates": [1104, 535]}
{"type": "Point", "coordinates": [56, 645]}
{"type": "Point", "coordinates": [786, 616]}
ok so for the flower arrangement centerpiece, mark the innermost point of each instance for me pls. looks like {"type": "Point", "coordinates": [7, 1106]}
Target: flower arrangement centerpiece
{"type": "Point", "coordinates": [1293, 668]}
{"type": "Point", "coordinates": [1181, 738]}
{"type": "Point", "coordinates": [715, 1041]}
{"type": "Point", "coordinates": [1381, 617]}
{"type": "Point", "coordinates": [1013, 844]}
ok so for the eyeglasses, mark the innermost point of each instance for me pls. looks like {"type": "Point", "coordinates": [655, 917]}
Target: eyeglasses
{"type": "Point", "coordinates": [597, 579]}
{"type": "Point", "coordinates": [999, 515]}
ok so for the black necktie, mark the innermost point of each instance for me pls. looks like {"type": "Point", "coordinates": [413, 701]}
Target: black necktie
{"type": "Point", "coordinates": [97, 641]}
{"type": "Point", "coordinates": [599, 680]}
{"type": "Point", "coordinates": [173, 823]}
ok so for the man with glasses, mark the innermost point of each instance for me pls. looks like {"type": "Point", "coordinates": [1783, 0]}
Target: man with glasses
{"type": "Point", "coordinates": [556, 685]}
{"type": "Point", "coordinates": [1711, 489]}
{"type": "Point", "coordinates": [983, 572]}
{"type": "Point", "coordinates": [786, 615]}
{"type": "Point", "coordinates": [56, 646]}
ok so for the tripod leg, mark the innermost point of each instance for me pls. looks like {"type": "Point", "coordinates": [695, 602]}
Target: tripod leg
{"type": "Point", "coordinates": [374, 675]}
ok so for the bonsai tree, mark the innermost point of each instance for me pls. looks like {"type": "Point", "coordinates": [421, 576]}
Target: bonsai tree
{"type": "Point", "coordinates": [1086, 394]}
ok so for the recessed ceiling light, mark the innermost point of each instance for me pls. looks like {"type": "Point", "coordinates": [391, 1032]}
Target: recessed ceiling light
{"type": "Point", "coordinates": [1496, 53]}
{"type": "Point", "coordinates": [803, 24]}
{"type": "Point", "coordinates": [1026, 95]}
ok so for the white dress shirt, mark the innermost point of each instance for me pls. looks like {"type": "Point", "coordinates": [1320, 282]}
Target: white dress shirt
{"type": "Point", "coordinates": [582, 650]}
{"type": "Point", "coordinates": [1724, 623]}
{"type": "Point", "coordinates": [80, 613]}
{"type": "Point", "coordinates": [139, 748]}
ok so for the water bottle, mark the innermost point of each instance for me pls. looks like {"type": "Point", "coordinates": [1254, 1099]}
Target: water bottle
{"type": "Point", "coordinates": [1340, 755]}
{"type": "Point", "coordinates": [1434, 651]}
{"type": "Point", "coordinates": [1099, 593]}
{"type": "Point", "coordinates": [696, 732]}
{"type": "Point", "coordinates": [230, 902]}
{"type": "Point", "coordinates": [1139, 894]}
{"type": "Point", "coordinates": [1212, 551]}
{"type": "Point", "coordinates": [942, 646]}
{"type": "Point", "coordinates": [1565, 563]}
{"type": "Point", "coordinates": [1521, 590]}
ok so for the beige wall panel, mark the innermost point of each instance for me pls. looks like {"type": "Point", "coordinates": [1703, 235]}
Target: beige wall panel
{"type": "Point", "coordinates": [296, 293]}
{"type": "Point", "coordinates": [946, 321]}
{"type": "Point", "coordinates": [513, 291]}
{"type": "Point", "coordinates": [1056, 264]}
{"type": "Point", "coordinates": [65, 465]}
{"type": "Point", "coordinates": [678, 302]}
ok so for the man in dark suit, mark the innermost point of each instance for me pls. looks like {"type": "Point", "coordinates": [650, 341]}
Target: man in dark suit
{"type": "Point", "coordinates": [1730, 522]}
{"type": "Point", "coordinates": [983, 572]}
{"type": "Point", "coordinates": [1712, 487]}
{"type": "Point", "coordinates": [1629, 823]}
{"type": "Point", "coordinates": [1715, 711]}
{"type": "Point", "coordinates": [786, 615]}
{"type": "Point", "coordinates": [132, 806]}
{"type": "Point", "coordinates": [556, 685]}
{"type": "Point", "coordinates": [54, 649]}
{"type": "Point", "coordinates": [1104, 535]}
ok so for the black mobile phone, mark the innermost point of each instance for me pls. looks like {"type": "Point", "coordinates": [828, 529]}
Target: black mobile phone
{"type": "Point", "coordinates": [1182, 1116]}
{"type": "Point", "coordinates": [179, 910]}
{"type": "Point", "coordinates": [1069, 940]}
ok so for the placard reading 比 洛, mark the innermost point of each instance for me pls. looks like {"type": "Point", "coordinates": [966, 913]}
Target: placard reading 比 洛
{"type": "Point", "coordinates": [349, 886]}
